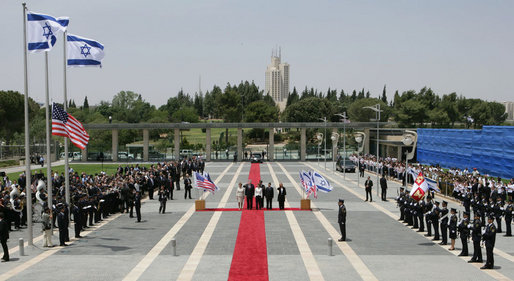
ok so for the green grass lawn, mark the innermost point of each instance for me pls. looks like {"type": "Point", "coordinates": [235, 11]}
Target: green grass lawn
{"type": "Point", "coordinates": [89, 169]}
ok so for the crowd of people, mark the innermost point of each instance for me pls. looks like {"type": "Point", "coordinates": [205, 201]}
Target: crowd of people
{"type": "Point", "coordinates": [489, 199]}
{"type": "Point", "coordinates": [259, 192]}
{"type": "Point", "coordinates": [93, 197]}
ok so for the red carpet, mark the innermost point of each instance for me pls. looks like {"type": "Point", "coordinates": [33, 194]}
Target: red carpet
{"type": "Point", "coordinates": [237, 210]}
{"type": "Point", "coordinates": [250, 259]}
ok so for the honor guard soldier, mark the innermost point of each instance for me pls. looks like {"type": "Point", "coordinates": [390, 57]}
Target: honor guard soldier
{"type": "Point", "coordinates": [420, 210]}
{"type": "Point", "coordinates": [489, 237]}
{"type": "Point", "coordinates": [453, 228]}
{"type": "Point", "coordinates": [428, 213]}
{"type": "Point", "coordinates": [508, 217]}
{"type": "Point", "coordinates": [400, 201]}
{"type": "Point", "coordinates": [498, 213]}
{"type": "Point", "coordinates": [414, 214]}
{"type": "Point", "coordinates": [436, 213]}
{"type": "Point", "coordinates": [341, 219]}
{"type": "Point", "coordinates": [476, 236]}
{"type": "Point", "coordinates": [444, 224]}
{"type": "Point", "coordinates": [464, 234]}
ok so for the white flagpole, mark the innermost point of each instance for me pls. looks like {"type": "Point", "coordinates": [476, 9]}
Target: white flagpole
{"type": "Point", "coordinates": [48, 152]}
{"type": "Point", "coordinates": [28, 173]}
{"type": "Point", "coordinates": [66, 162]}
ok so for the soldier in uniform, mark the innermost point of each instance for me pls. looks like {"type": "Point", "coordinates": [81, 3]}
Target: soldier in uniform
{"type": "Point", "coordinates": [476, 236]}
{"type": "Point", "coordinates": [444, 224]}
{"type": "Point", "coordinates": [498, 213]}
{"type": "Point", "coordinates": [453, 228]}
{"type": "Point", "coordinates": [489, 237]}
{"type": "Point", "coordinates": [414, 214]}
{"type": "Point", "coordinates": [428, 214]}
{"type": "Point", "coordinates": [508, 217]}
{"type": "Point", "coordinates": [401, 203]}
{"type": "Point", "coordinates": [436, 213]}
{"type": "Point", "coordinates": [61, 221]}
{"type": "Point", "coordinates": [420, 210]}
{"type": "Point", "coordinates": [341, 219]}
{"type": "Point", "coordinates": [464, 233]}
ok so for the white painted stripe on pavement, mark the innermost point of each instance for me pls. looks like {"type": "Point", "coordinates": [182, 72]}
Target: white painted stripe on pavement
{"type": "Point", "coordinates": [11, 273]}
{"type": "Point", "coordinates": [194, 259]}
{"type": "Point", "coordinates": [494, 274]}
{"type": "Point", "coordinates": [311, 265]}
{"type": "Point", "coordinates": [148, 259]}
{"type": "Point", "coordinates": [350, 254]}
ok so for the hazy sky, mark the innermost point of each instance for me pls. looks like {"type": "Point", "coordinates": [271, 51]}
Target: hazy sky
{"type": "Point", "coordinates": [157, 47]}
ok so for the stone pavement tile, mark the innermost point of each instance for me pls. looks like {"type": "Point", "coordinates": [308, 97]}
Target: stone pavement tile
{"type": "Point", "coordinates": [189, 234]}
{"type": "Point", "coordinates": [223, 239]}
{"type": "Point", "coordinates": [279, 237]}
{"type": "Point", "coordinates": [286, 267]}
{"type": "Point", "coordinates": [336, 267]}
{"type": "Point", "coordinates": [215, 268]}
{"type": "Point", "coordinates": [80, 267]}
{"type": "Point", "coordinates": [165, 267]}
{"type": "Point", "coordinates": [315, 234]}
{"type": "Point", "coordinates": [419, 267]}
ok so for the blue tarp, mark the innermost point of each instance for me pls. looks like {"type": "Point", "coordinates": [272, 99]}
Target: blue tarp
{"type": "Point", "coordinates": [490, 150]}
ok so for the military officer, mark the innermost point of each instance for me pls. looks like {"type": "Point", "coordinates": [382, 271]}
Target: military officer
{"type": "Point", "coordinates": [489, 237]}
{"type": "Point", "coordinates": [444, 224]}
{"type": "Point", "coordinates": [436, 213]}
{"type": "Point", "coordinates": [476, 236]}
{"type": "Point", "coordinates": [453, 228]}
{"type": "Point", "coordinates": [428, 214]}
{"type": "Point", "coordinates": [508, 217]}
{"type": "Point", "coordinates": [464, 233]}
{"type": "Point", "coordinates": [341, 219]}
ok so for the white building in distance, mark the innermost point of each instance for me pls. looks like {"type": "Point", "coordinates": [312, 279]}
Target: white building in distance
{"type": "Point", "coordinates": [277, 80]}
{"type": "Point", "coordinates": [509, 109]}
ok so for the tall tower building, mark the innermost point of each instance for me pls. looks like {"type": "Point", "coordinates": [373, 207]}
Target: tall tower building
{"type": "Point", "coordinates": [277, 79]}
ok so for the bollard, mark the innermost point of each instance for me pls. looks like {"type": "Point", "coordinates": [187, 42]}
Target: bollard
{"type": "Point", "coordinates": [174, 246]}
{"type": "Point", "coordinates": [330, 246]}
{"type": "Point", "coordinates": [21, 248]}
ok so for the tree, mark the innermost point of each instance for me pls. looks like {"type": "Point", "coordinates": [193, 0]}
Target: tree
{"type": "Point", "coordinates": [12, 109]}
{"type": "Point", "coordinates": [86, 103]}
{"type": "Point", "coordinates": [198, 104]}
{"type": "Point", "coordinates": [309, 110]}
{"type": "Point", "coordinates": [260, 111]}
{"type": "Point", "coordinates": [410, 113]}
{"type": "Point", "coordinates": [357, 113]}
{"type": "Point", "coordinates": [384, 95]}
{"type": "Point", "coordinates": [292, 98]}
{"type": "Point", "coordinates": [185, 114]}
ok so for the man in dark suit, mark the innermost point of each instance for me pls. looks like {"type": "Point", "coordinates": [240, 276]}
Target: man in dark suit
{"type": "Point", "coordinates": [150, 184]}
{"type": "Point", "coordinates": [249, 192]}
{"type": "Point", "coordinates": [137, 204]}
{"type": "Point", "coordinates": [489, 237]}
{"type": "Point", "coordinates": [281, 196]}
{"type": "Point", "coordinates": [4, 235]}
{"type": "Point", "coordinates": [61, 222]}
{"type": "Point", "coordinates": [187, 186]}
{"type": "Point", "coordinates": [268, 193]}
{"type": "Point", "coordinates": [368, 185]}
{"type": "Point", "coordinates": [341, 220]}
{"type": "Point", "coordinates": [383, 186]}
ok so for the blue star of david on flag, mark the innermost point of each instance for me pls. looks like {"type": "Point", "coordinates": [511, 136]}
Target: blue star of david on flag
{"type": "Point", "coordinates": [85, 50]}
{"type": "Point", "coordinates": [47, 30]}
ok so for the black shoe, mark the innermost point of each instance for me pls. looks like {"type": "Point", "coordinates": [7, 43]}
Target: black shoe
{"type": "Point", "coordinates": [472, 261]}
{"type": "Point", "coordinates": [341, 240]}
{"type": "Point", "coordinates": [463, 255]}
{"type": "Point", "coordinates": [444, 244]}
{"type": "Point", "coordinates": [78, 236]}
{"type": "Point", "coordinates": [507, 235]}
{"type": "Point", "coordinates": [486, 267]}
{"type": "Point", "coordinates": [420, 230]}
{"type": "Point", "coordinates": [428, 235]}
{"type": "Point", "coordinates": [5, 260]}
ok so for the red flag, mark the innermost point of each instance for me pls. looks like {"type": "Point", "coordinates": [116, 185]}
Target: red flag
{"type": "Point", "coordinates": [419, 188]}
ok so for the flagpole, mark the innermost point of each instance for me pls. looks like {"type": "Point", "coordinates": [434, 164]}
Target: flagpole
{"type": "Point", "coordinates": [48, 152]}
{"type": "Point", "coordinates": [28, 173]}
{"type": "Point", "coordinates": [66, 161]}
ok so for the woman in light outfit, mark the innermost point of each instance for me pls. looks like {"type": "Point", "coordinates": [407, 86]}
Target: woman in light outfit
{"type": "Point", "coordinates": [240, 195]}
{"type": "Point", "coordinates": [46, 218]}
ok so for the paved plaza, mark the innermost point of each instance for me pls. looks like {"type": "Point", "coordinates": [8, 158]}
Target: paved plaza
{"type": "Point", "coordinates": [378, 246]}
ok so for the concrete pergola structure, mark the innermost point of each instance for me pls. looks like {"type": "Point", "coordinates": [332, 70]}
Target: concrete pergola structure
{"type": "Point", "coordinates": [146, 127]}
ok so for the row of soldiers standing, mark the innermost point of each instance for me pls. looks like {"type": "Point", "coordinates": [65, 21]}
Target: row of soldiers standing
{"type": "Point", "coordinates": [416, 214]}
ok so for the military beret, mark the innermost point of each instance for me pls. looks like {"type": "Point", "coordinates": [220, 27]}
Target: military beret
{"type": "Point", "coordinates": [341, 200]}
{"type": "Point", "coordinates": [491, 216]}
{"type": "Point", "coordinates": [445, 203]}
{"type": "Point", "coordinates": [466, 213]}
{"type": "Point", "coordinates": [436, 202]}
{"type": "Point", "coordinates": [453, 210]}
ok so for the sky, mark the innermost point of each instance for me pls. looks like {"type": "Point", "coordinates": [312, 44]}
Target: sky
{"type": "Point", "coordinates": [155, 48]}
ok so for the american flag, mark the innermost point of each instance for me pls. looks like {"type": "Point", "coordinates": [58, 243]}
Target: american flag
{"type": "Point", "coordinates": [204, 182]}
{"type": "Point", "coordinates": [63, 124]}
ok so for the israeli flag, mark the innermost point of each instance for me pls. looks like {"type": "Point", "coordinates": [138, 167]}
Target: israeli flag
{"type": "Point", "coordinates": [321, 182]}
{"type": "Point", "coordinates": [84, 52]}
{"type": "Point", "coordinates": [42, 31]}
